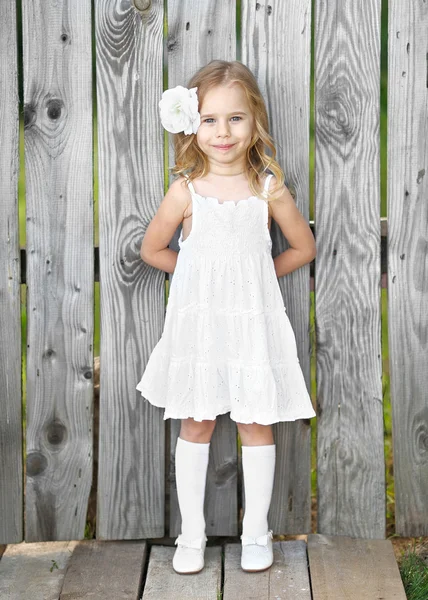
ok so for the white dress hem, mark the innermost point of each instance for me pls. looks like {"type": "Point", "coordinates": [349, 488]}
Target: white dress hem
{"type": "Point", "coordinates": [260, 418]}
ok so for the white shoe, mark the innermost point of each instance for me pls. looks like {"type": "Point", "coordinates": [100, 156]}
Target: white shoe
{"type": "Point", "coordinates": [189, 555]}
{"type": "Point", "coordinates": [257, 553]}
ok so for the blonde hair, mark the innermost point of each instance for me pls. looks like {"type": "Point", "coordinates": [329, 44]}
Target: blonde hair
{"type": "Point", "coordinates": [189, 158]}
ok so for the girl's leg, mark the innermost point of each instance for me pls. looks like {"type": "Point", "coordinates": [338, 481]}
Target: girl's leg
{"type": "Point", "coordinates": [197, 431]}
{"type": "Point", "coordinates": [191, 463]}
{"type": "Point", "coordinates": [254, 434]}
{"type": "Point", "coordinates": [258, 464]}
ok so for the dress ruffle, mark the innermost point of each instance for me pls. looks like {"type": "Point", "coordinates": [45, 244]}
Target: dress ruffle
{"type": "Point", "coordinates": [263, 394]}
{"type": "Point", "coordinates": [209, 363]}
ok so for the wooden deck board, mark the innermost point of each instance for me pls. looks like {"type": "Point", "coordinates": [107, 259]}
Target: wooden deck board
{"type": "Point", "coordinates": [25, 570]}
{"type": "Point", "coordinates": [110, 570]}
{"type": "Point", "coordinates": [287, 579]}
{"type": "Point", "coordinates": [345, 567]}
{"type": "Point", "coordinates": [339, 567]}
{"type": "Point", "coordinates": [163, 583]}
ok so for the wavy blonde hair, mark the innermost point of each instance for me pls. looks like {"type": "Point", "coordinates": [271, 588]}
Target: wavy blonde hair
{"type": "Point", "coordinates": [190, 161]}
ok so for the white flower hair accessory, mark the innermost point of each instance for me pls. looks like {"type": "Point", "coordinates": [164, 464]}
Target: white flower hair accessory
{"type": "Point", "coordinates": [179, 110]}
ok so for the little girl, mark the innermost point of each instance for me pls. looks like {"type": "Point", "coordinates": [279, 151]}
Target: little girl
{"type": "Point", "coordinates": [227, 343]}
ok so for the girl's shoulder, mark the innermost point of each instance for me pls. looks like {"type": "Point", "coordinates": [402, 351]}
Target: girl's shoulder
{"type": "Point", "coordinates": [279, 197]}
{"type": "Point", "coordinates": [179, 192]}
{"type": "Point", "coordinates": [274, 188]}
{"type": "Point", "coordinates": [179, 189]}
{"type": "Point", "coordinates": [179, 186]}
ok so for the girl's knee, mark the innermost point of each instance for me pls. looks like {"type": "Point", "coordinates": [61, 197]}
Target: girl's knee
{"type": "Point", "coordinates": [197, 431]}
{"type": "Point", "coordinates": [254, 434]}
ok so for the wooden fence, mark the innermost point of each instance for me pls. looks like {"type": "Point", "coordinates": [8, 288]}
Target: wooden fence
{"type": "Point", "coordinates": [136, 450]}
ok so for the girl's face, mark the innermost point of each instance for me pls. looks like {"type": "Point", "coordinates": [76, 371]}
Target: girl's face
{"type": "Point", "coordinates": [226, 128]}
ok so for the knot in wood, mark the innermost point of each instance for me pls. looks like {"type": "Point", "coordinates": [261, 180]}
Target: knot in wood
{"type": "Point", "coordinates": [142, 5]}
{"type": "Point", "coordinates": [338, 115]}
{"type": "Point", "coordinates": [54, 107]}
{"type": "Point", "coordinates": [225, 473]}
{"type": "Point", "coordinates": [36, 463]}
{"type": "Point", "coordinates": [56, 433]}
{"type": "Point", "coordinates": [172, 45]}
{"type": "Point", "coordinates": [420, 427]}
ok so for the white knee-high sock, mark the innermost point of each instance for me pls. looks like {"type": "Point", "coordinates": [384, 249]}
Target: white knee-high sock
{"type": "Point", "coordinates": [258, 465]}
{"type": "Point", "coordinates": [191, 463]}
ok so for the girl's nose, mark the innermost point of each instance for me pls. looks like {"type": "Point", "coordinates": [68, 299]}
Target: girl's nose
{"type": "Point", "coordinates": [223, 129]}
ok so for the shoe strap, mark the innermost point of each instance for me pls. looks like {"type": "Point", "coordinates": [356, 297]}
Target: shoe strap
{"type": "Point", "coordinates": [260, 541]}
{"type": "Point", "coordinates": [191, 543]}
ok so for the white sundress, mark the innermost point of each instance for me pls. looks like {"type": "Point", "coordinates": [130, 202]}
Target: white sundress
{"type": "Point", "coordinates": [227, 343]}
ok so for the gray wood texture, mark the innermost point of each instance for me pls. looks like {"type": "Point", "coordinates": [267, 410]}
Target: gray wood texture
{"type": "Point", "coordinates": [34, 571]}
{"type": "Point", "coordinates": [276, 40]}
{"type": "Point", "coordinates": [337, 567]}
{"type": "Point", "coordinates": [164, 583]}
{"type": "Point", "coordinates": [105, 570]}
{"type": "Point", "coordinates": [288, 577]}
{"type": "Point", "coordinates": [343, 567]}
{"type": "Point", "coordinates": [130, 502]}
{"type": "Point", "coordinates": [197, 33]}
{"type": "Point", "coordinates": [135, 447]}
{"type": "Point", "coordinates": [60, 267]}
{"type": "Point", "coordinates": [408, 260]}
{"type": "Point", "coordinates": [350, 440]}
{"type": "Point", "coordinates": [11, 492]}
{"type": "Point", "coordinates": [384, 230]}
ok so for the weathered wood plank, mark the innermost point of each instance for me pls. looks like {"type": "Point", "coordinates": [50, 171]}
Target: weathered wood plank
{"type": "Point", "coordinates": [288, 577]}
{"type": "Point", "coordinates": [129, 77]}
{"type": "Point", "coordinates": [11, 498]}
{"type": "Point", "coordinates": [220, 503]}
{"type": "Point", "coordinates": [350, 455]}
{"type": "Point", "coordinates": [34, 571]}
{"type": "Point", "coordinates": [163, 582]}
{"type": "Point", "coordinates": [276, 39]}
{"type": "Point", "coordinates": [60, 267]}
{"type": "Point", "coordinates": [344, 567]}
{"type": "Point", "coordinates": [107, 570]}
{"type": "Point", "coordinates": [383, 225]}
{"type": "Point", "coordinates": [407, 260]}
{"type": "Point", "coordinates": [197, 33]}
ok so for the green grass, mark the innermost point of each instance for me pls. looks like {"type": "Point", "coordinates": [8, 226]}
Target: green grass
{"type": "Point", "coordinates": [414, 573]}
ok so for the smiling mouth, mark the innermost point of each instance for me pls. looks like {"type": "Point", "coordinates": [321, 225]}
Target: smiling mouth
{"type": "Point", "coordinates": [224, 146]}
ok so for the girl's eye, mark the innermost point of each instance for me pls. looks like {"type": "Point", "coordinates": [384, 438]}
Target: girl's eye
{"type": "Point", "coordinates": [211, 120]}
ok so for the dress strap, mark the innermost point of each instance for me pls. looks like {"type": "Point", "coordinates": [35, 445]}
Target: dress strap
{"type": "Point", "coordinates": [267, 182]}
{"type": "Point", "coordinates": [190, 185]}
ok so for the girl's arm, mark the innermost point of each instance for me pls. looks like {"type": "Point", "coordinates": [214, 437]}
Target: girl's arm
{"type": "Point", "coordinates": [295, 229]}
{"type": "Point", "coordinates": [154, 248]}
